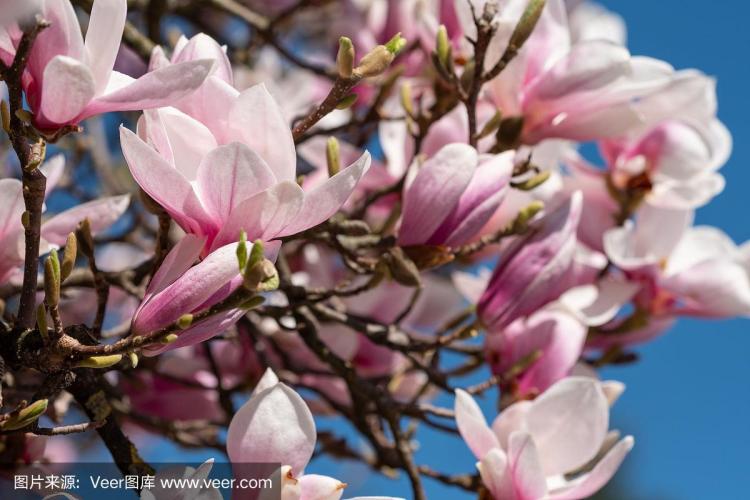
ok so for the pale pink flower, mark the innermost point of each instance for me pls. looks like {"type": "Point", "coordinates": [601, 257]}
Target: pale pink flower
{"type": "Point", "coordinates": [533, 445]}
{"type": "Point", "coordinates": [535, 269]}
{"type": "Point", "coordinates": [690, 270]}
{"type": "Point", "coordinates": [101, 213]}
{"type": "Point", "coordinates": [216, 189]}
{"type": "Point", "coordinates": [276, 426]}
{"type": "Point", "coordinates": [470, 188]}
{"type": "Point", "coordinates": [68, 79]}
{"type": "Point", "coordinates": [582, 91]}
{"type": "Point", "coordinates": [179, 288]}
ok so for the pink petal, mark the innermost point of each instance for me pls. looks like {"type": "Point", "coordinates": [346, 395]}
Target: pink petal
{"type": "Point", "coordinates": [268, 380]}
{"type": "Point", "coordinates": [161, 87]}
{"type": "Point", "coordinates": [200, 332]}
{"type": "Point", "coordinates": [602, 472]}
{"type": "Point", "coordinates": [323, 201]}
{"type": "Point", "coordinates": [12, 206]}
{"type": "Point", "coordinates": [101, 213]}
{"type": "Point", "coordinates": [179, 259]}
{"type": "Point", "coordinates": [443, 177]}
{"type": "Point", "coordinates": [528, 475]}
{"type": "Point", "coordinates": [257, 121]}
{"type": "Point", "coordinates": [63, 37]}
{"type": "Point", "coordinates": [202, 46]}
{"type": "Point", "coordinates": [212, 278]}
{"type": "Point", "coordinates": [316, 487]}
{"type": "Point", "coordinates": [274, 426]}
{"type": "Point", "coordinates": [163, 183]}
{"type": "Point", "coordinates": [67, 88]}
{"type": "Point", "coordinates": [103, 38]}
{"type": "Point", "coordinates": [264, 215]}
{"type": "Point", "coordinates": [472, 425]}
{"type": "Point", "coordinates": [510, 420]}
{"type": "Point", "coordinates": [568, 423]}
{"type": "Point", "coordinates": [496, 474]}
{"type": "Point", "coordinates": [229, 175]}
{"type": "Point", "coordinates": [52, 170]}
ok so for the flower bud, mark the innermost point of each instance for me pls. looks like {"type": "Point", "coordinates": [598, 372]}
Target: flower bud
{"type": "Point", "coordinates": [526, 214]}
{"type": "Point", "coordinates": [492, 125]}
{"type": "Point", "coordinates": [345, 57]}
{"type": "Point", "coordinates": [169, 338]}
{"type": "Point", "coordinates": [41, 321]}
{"type": "Point", "coordinates": [99, 361]}
{"type": "Point", "coordinates": [242, 251]}
{"type": "Point", "coordinates": [85, 240]}
{"type": "Point", "coordinates": [261, 277]}
{"type": "Point", "coordinates": [402, 269]}
{"type": "Point", "coordinates": [443, 48]}
{"type": "Point", "coordinates": [69, 257]}
{"type": "Point", "coordinates": [133, 357]}
{"type": "Point", "coordinates": [26, 416]}
{"type": "Point", "coordinates": [380, 58]}
{"type": "Point", "coordinates": [533, 182]}
{"type": "Point", "coordinates": [185, 321]}
{"type": "Point", "coordinates": [406, 100]}
{"type": "Point", "coordinates": [52, 279]}
{"type": "Point", "coordinates": [526, 24]}
{"type": "Point", "coordinates": [333, 156]}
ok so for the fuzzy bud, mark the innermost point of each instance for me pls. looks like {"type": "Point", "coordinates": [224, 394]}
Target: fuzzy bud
{"type": "Point", "coordinates": [345, 57]}
{"type": "Point", "coordinates": [333, 158]}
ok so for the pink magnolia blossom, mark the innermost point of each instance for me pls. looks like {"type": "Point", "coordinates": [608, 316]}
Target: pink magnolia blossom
{"type": "Point", "coordinates": [68, 79]}
{"type": "Point", "coordinates": [532, 445]}
{"type": "Point", "coordinates": [581, 91]}
{"type": "Point", "coordinates": [179, 288]}
{"type": "Point", "coordinates": [101, 214]}
{"type": "Point", "coordinates": [276, 426]}
{"type": "Point", "coordinates": [470, 188]}
{"type": "Point", "coordinates": [534, 270]}
{"type": "Point", "coordinates": [249, 183]}
{"type": "Point", "coordinates": [161, 491]}
{"type": "Point", "coordinates": [689, 270]}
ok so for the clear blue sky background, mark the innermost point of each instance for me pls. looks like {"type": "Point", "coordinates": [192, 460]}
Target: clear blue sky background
{"type": "Point", "coordinates": [688, 399]}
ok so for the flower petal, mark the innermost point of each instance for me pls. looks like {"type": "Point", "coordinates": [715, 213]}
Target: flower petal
{"type": "Point", "coordinates": [528, 476]}
{"type": "Point", "coordinates": [323, 201]}
{"type": "Point", "coordinates": [103, 38]}
{"type": "Point", "coordinates": [274, 426]}
{"type": "Point", "coordinates": [473, 426]}
{"type": "Point", "coordinates": [317, 487]}
{"type": "Point", "coordinates": [67, 88]}
{"type": "Point", "coordinates": [101, 214]}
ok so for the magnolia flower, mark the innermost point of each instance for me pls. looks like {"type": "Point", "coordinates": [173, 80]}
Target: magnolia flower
{"type": "Point", "coordinates": [101, 213]}
{"type": "Point", "coordinates": [68, 80]}
{"type": "Point", "coordinates": [692, 270]}
{"type": "Point", "coordinates": [276, 426]}
{"type": "Point", "coordinates": [582, 91]}
{"type": "Point", "coordinates": [469, 188]}
{"type": "Point", "coordinates": [179, 288]}
{"type": "Point", "coordinates": [548, 343]}
{"type": "Point", "coordinates": [534, 447]}
{"type": "Point", "coordinates": [249, 184]}
{"type": "Point", "coordinates": [534, 270]}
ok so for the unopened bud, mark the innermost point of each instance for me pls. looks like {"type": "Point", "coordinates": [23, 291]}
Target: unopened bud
{"type": "Point", "coordinates": [52, 279]}
{"type": "Point", "coordinates": [69, 257]}
{"type": "Point", "coordinates": [242, 251]}
{"type": "Point", "coordinates": [41, 321]}
{"type": "Point", "coordinates": [25, 416]}
{"type": "Point", "coordinates": [185, 321]}
{"type": "Point", "coordinates": [168, 339]}
{"type": "Point", "coordinates": [378, 59]}
{"type": "Point", "coordinates": [24, 115]}
{"type": "Point", "coordinates": [25, 219]}
{"type": "Point", "coordinates": [533, 182]}
{"type": "Point", "coordinates": [256, 254]}
{"type": "Point", "coordinates": [526, 24]}
{"type": "Point", "coordinates": [492, 125]}
{"type": "Point", "coordinates": [133, 357]}
{"type": "Point", "coordinates": [333, 158]}
{"type": "Point", "coordinates": [5, 114]}
{"type": "Point", "coordinates": [526, 214]}
{"type": "Point", "coordinates": [345, 57]}
{"type": "Point", "coordinates": [85, 240]}
{"type": "Point", "coordinates": [402, 268]}
{"type": "Point", "coordinates": [347, 101]}
{"type": "Point", "coordinates": [99, 361]}
{"type": "Point", "coordinates": [443, 48]}
{"type": "Point", "coordinates": [406, 100]}
{"type": "Point", "coordinates": [261, 277]}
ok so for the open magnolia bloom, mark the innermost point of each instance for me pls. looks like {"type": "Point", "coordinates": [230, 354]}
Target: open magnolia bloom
{"type": "Point", "coordinates": [587, 90]}
{"type": "Point", "coordinates": [68, 79]}
{"type": "Point", "coordinates": [214, 190]}
{"type": "Point", "coordinates": [276, 426]}
{"type": "Point", "coordinates": [556, 447]}
{"type": "Point", "coordinates": [101, 214]}
{"type": "Point", "coordinates": [691, 270]}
